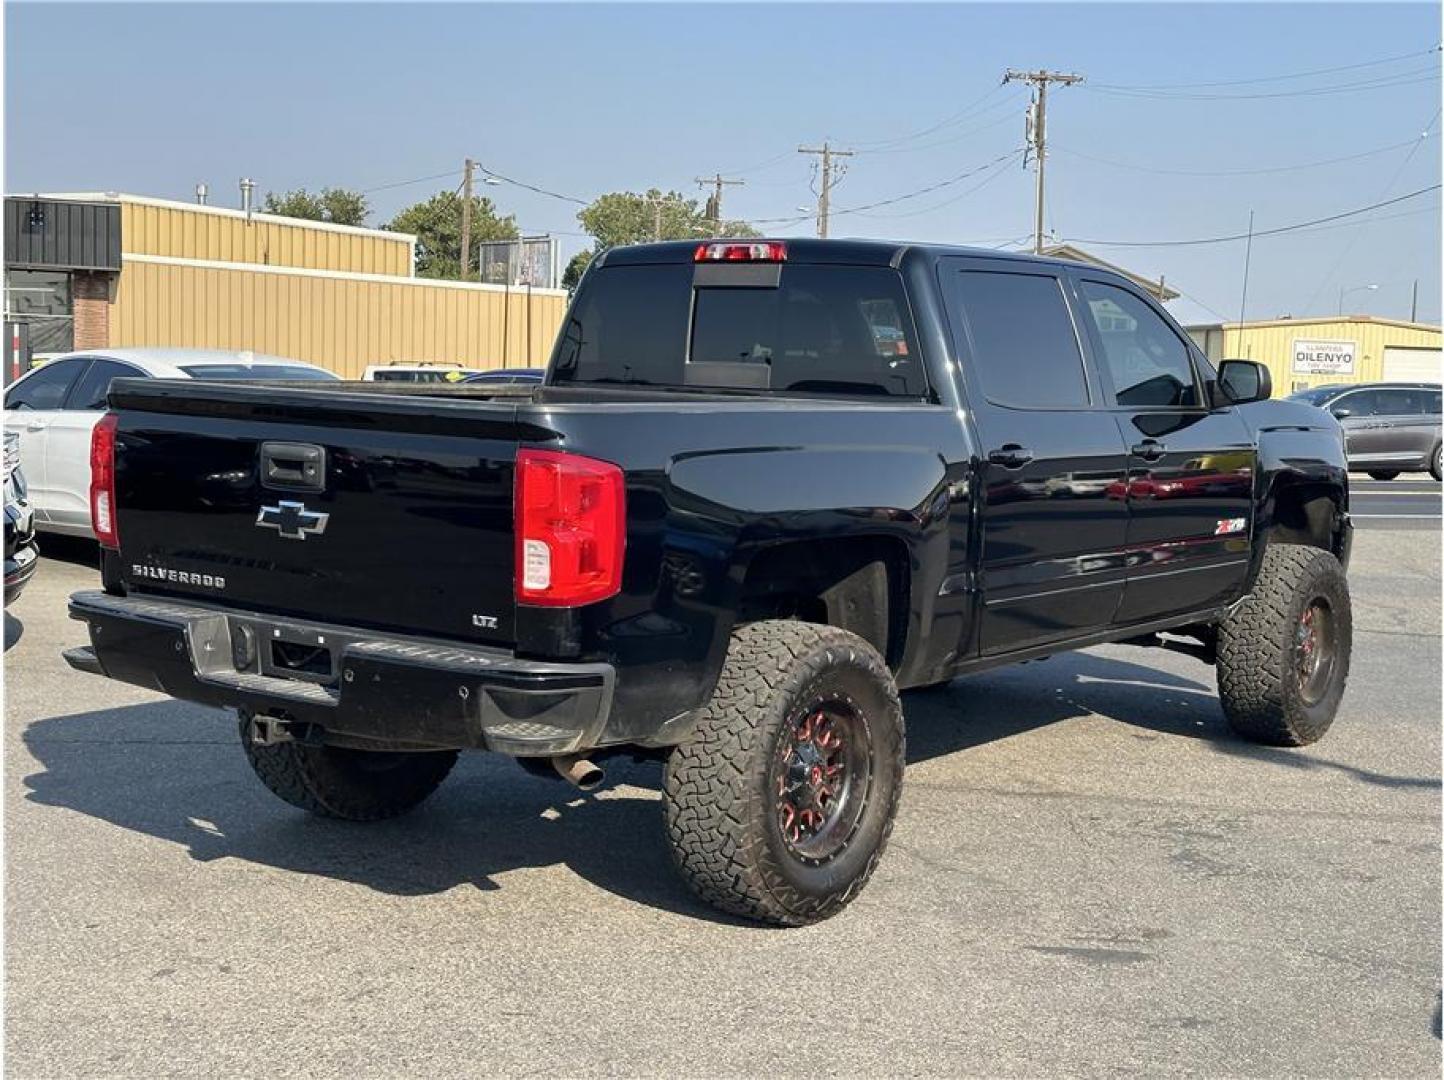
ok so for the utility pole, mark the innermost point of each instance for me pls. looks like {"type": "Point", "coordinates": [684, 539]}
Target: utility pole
{"type": "Point", "coordinates": [1038, 129]}
{"type": "Point", "coordinates": [1414, 303]}
{"type": "Point", "coordinates": [829, 177]}
{"type": "Point", "coordinates": [466, 219]}
{"type": "Point", "coordinates": [714, 204]}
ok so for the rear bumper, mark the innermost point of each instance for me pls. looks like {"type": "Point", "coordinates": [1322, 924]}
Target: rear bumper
{"type": "Point", "coordinates": [402, 692]}
{"type": "Point", "coordinates": [21, 554]}
{"type": "Point", "coordinates": [20, 567]}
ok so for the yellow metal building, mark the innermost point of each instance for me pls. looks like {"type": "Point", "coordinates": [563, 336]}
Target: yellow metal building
{"type": "Point", "coordinates": [342, 297]}
{"type": "Point", "coordinates": [1301, 353]}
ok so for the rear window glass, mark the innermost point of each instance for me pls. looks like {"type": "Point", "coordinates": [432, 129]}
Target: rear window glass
{"type": "Point", "coordinates": [822, 329]}
{"type": "Point", "coordinates": [254, 371]}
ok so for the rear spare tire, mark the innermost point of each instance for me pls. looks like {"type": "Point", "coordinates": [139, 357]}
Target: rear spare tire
{"type": "Point", "coordinates": [338, 782]}
{"type": "Point", "coordinates": [1283, 654]}
{"type": "Point", "coordinates": [779, 807]}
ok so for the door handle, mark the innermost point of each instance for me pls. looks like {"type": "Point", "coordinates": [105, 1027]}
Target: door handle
{"type": "Point", "coordinates": [36, 425]}
{"type": "Point", "coordinates": [1148, 450]}
{"type": "Point", "coordinates": [1011, 456]}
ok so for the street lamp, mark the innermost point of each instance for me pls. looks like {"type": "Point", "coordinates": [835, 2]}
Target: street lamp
{"type": "Point", "coordinates": [1371, 287]}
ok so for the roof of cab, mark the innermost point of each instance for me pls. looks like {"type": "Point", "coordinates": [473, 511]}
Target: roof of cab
{"type": "Point", "coordinates": [846, 252]}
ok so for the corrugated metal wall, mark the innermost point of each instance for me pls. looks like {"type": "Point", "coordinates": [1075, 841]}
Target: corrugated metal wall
{"type": "Point", "coordinates": [340, 323]}
{"type": "Point", "coordinates": [51, 233]}
{"type": "Point", "coordinates": [1273, 344]}
{"type": "Point", "coordinates": [193, 232]}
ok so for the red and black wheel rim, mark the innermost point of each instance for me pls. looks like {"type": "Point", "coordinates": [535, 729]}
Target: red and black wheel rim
{"type": "Point", "coordinates": [822, 776]}
{"type": "Point", "coordinates": [1315, 651]}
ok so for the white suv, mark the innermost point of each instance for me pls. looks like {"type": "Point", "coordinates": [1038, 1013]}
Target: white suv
{"type": "Point", "coordinates": [53, 408]}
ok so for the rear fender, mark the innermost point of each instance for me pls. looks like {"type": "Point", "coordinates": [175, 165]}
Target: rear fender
{"type": "Point", "coordinates": [727, 509]}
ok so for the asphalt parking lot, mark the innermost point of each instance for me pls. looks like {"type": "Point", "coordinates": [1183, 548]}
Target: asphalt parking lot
{"type": "Point", "coordinates": [1410, 501]}
{"type": "Point", "coordinates": [1089, 875]}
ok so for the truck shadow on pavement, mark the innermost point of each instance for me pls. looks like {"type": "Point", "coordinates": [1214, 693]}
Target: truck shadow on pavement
{"type": "Point", "coordinates": [175, 772]}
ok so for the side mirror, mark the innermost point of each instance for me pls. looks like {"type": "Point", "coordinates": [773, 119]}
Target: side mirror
{"type": "Point", "coordinates": [1342, 413]}
{"type": "Point", "coordinates": [1243, 381]}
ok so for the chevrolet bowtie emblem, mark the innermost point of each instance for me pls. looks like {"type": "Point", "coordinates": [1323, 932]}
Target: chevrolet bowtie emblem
{"type": "Point", "coordinates": [292, 520]}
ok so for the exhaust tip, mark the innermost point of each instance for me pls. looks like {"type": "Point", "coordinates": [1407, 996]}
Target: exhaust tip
{"type": "Point", "coordinates": [581, 773]}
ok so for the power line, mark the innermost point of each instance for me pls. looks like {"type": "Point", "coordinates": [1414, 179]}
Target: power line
{"type": "Point", "coordinates": [1241, 172]}
{"type": "Point", "coordinates": [531, 187]}
{"type": "Point", "coordinates": [958, 136]}
{"type": "Point", "coordinates": [408, 183]}
{"type": "Point", "coordinates": [1011, 154]}
{"type": "Point", "coordinates": [1258, 232]}
{"type": "Point", "coordinates": [1270, 78]}
{"type": "Point", "coordinates": [994, 165]}
{"type": "Point", "coordinates": [1388, 187]}
{"type": "Point", "coordinates": [945, 122]}
{"type": "Point", "coordinates": [786, 154]}
{"type": "Point", "coordinates": [892, 145]}
{"type": "Point", "coordinates": [1403, 78]}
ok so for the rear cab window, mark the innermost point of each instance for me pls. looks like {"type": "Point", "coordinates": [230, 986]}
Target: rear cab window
{"type": "Point", "coordinates": [1022, 349]}
{"type": "Point", "coordinates": [802, 328]}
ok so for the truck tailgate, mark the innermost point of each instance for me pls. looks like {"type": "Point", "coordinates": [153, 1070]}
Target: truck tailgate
{"type": "Point", "coordinates": [382, 511]}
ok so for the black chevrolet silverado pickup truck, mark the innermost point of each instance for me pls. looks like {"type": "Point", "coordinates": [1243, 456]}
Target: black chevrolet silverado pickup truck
{"type": "Point", "coordinates": [764, 486]}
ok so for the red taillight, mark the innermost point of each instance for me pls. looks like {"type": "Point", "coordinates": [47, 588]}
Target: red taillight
{"type": "Point", "coordinates": [102, 481]}
{"type": "Point", "coordinates": [570, 529]}
{"type": "Point", "coordinates": [770, 251]}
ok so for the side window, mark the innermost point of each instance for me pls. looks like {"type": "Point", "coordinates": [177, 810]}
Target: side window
{"type": "Point", "coordinates": [1431, 402]}
{"type": "Point", "coordinates": [1024, 348]}
{"type": "Point", "coordinates": [1148, 361]}
{"type": "Point", "coordinates": [47, 388]}
{"type": "Point", "coordinates": [1400, 403]}
{"type": "Point", "coordinates": [90, 391]}
{"type": "Point", "coordinates": [1360, 403]}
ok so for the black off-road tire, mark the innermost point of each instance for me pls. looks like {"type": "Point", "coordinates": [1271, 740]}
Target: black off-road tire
{"type": "Point", "coordinates": [1383, 474]}
{"type": "Point", "coordinates": [1265, 697]}
{"type": "Point", "coordinates": [1436, 462]}
{"type": "Point", "coordinates": [720, 789]}
{"type": "Point", "coordinates": [338, 782]}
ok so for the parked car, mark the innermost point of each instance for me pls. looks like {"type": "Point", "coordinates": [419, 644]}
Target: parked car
{"type": "Point", "coordinates": [415, 373]}
{"type": "Point", "coordinates": [21, 553]}
{"type": "Point", "coordinates": [727, 528]}
{"type": "Point", "coordinates": [510, 376]}
{"type": "Point", "coordinates": [54, 407]}
{"type": "Point", "coordinates": [1389, 427]}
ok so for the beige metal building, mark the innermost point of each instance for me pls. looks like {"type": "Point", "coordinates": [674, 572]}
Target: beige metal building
{"type": "Point", "coordinates": [206, 276]}
{"type": "Point", "coordinates": [1301, 353]}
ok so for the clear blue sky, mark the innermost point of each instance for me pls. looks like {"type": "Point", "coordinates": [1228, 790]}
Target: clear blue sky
{"type": "Point", "coordinates": [589, 99]}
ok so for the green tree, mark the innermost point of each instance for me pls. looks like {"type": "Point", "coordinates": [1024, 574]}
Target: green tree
{"type": "Point", "coordinates": [437, 225]}
{"type": "Point", "coordinates": [336, 205]}
{"type": "Point", "coordinates": [576, 266]}
{"type": "Point", "coordinates": [626, 217]}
